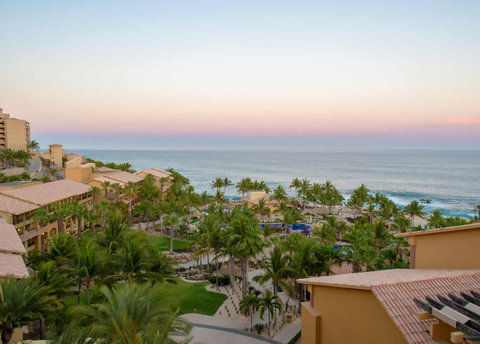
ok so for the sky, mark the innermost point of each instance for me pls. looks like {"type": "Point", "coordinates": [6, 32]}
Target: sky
{"type": "Point", "coordinates": [156, 74]}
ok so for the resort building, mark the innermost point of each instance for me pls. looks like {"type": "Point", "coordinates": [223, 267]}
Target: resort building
{"type": "Point", "coordinates": [110, 182]}
{"type": "Point", "coordinates": [14, 133]}
{"type": "Point", "coordinates": [18, 204]}
{"type": "Point", "coordinates": [461, 242]}
{"type": "Point", "coordinates": [163, 179]}
{"type": "Point", "coordinates": [255, 197]}
{"type": "Point", "coordinates": [55, 155]}
{"type": "Point", "coordinates": [11, 251]}
{"type": "Point", "coordinates": [76, 170]}
{"type": "Point", "coordinates": [429, 303]}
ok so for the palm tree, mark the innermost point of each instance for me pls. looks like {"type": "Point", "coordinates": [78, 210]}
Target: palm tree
{"type": "Point", "coordinates": [131, 314]}
{"type": "Point", "coordinates": [33, 145]}
{"type": "Point", "coordinates": [21, 302]}
{"type": "Point", "coordinates": [226, 183]}
{"type": "Point", "coordinates": [296, 184]}
{"type": "Point", "coordinates": [249, 304]}
{"type": "Point", "coordinates": [269, 304]}
{"type": "Point", "coordinates": [114, 235]}
{"type": "Point", "coordinates": [106, 187]}
{"type": "Point", "coordinates": [131, 191]}
{"type": "Point", "coordinates": [477, 209]}
{"type": "Point", "coordinates": [244, 240]}
{"type": "Point", "coordinates": [262, 209]}
{"type": "Point", "coordinates": [244, 186]}
{"type": "Point", "coordinates": [436, 220]}
{"type": "Point", "coordinates": [328, 233]}
{"type": "Point", "coordinates": [279, 194]}
{"type": "Point", "coordinates": [218, 184]}
{"type": "Point", "coordinates": [95, 191]}
{"type": "Point", "coordinates": [87, 266]}
{"type": "Point", "coordinates": [277, 270]}
{"type": "Point", "coordinates": [171, 220]}
{"type": "Point", "coordinates": [118, 189]}
{"type": "Point", "coordinates": [414, 209]}
{"type": "Point", "coordinates": [62, 249]}
{"type": "Point", "coordinates": [400, 223]}
{"type": "Point", "coordinates": [360, 251]}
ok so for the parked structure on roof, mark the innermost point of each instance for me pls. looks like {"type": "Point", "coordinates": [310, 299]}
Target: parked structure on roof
{"type": "Point", "coordinates": [389, 306]}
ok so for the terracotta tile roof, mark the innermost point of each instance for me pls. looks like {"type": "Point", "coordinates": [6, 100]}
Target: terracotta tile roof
{"type": "Point", "coordinates": [43, 194]}
{"type": "Point", "coordinates": [125, 177]}
{"type": "Point", "coordinates": [472, 226]}
{"type": "Point", "coordinates": [367, 280]}
{"type": "Point", "coordinates": [397, 299]}
{"type": "Point", "coordinates": [104, 169]}
{"type": "Point", "coordinates": [10, 241]}
{"type": "Point", "coordinates": [15, 206]}
{"type": "Point", "coordinates": [158, 173]}
{"type": "Point", "coordinates": [102, 179]}
{"type": "Point", "coordinates": [12, 265]}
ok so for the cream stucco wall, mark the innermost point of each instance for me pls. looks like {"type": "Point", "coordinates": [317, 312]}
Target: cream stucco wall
{"type": "Point", "coordinates": [14, 133]}
{"type": "Point", "coordinates": [348, 316]}
{"type": "Point", "coordinates": [447, 250]}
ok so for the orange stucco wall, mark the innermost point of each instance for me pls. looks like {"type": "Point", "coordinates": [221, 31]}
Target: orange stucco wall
{"type": "Point", "coordinates": [447, 250]}
{"type": "Point", "coordinates": [348, 316]}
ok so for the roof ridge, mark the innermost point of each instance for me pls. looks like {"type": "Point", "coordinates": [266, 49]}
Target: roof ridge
{"type": "Point", "coordinates": [20, 199]}
{"type": "Point", "coordinates": [471, 273]}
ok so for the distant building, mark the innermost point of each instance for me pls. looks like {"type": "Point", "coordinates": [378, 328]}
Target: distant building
{"type": "Point", "coordinates": [385, 306]}
{"type": "Point", "coordinates": [55, 154]}
{"type": "Point", "coordinates": [14, 133]}
{"type": "Point", "coordinates": [163, 179]}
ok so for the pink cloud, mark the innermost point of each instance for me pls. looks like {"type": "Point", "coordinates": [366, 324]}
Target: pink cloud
{"type": "Point", "coordinates": [461, 120]}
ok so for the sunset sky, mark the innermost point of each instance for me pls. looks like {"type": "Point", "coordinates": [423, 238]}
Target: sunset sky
{"type": "Point", "coordinates": [392, 73]}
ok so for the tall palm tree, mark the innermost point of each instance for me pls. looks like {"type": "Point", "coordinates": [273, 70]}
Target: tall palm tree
{"type": "Point", "coordinates": [296, 184]}
{"type": "Point", "coordinates": [106, 187]}
{"type": "Point", "coordinates": [277, 270]}
{"type": "Point", "coordinates": [21, 302]}
{"type": "Point", "coordinates": [269, 304]}
{"type": "Point", "coordinates": [244, 240]}
{"type": "Point", "coordinates": [226, 183]}
{"type": "Point", "coordinates": [95, 191]}
{"type": "Point", "coordinates": [414, 209]}
{"type": "Point", "coordinates": [171, 220]}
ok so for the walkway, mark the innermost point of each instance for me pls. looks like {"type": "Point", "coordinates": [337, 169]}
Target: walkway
{"type": "Point", "coordinates": [208, 329]}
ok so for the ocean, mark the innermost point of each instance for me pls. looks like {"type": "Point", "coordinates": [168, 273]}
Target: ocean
{"type": "Point", "coordinates": [450, 178]}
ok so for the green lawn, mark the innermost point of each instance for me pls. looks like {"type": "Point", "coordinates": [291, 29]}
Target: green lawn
{"type": "Point", "coordinates": [163, 243]}
{"type": "Point", "coordinates": [190, 297]}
